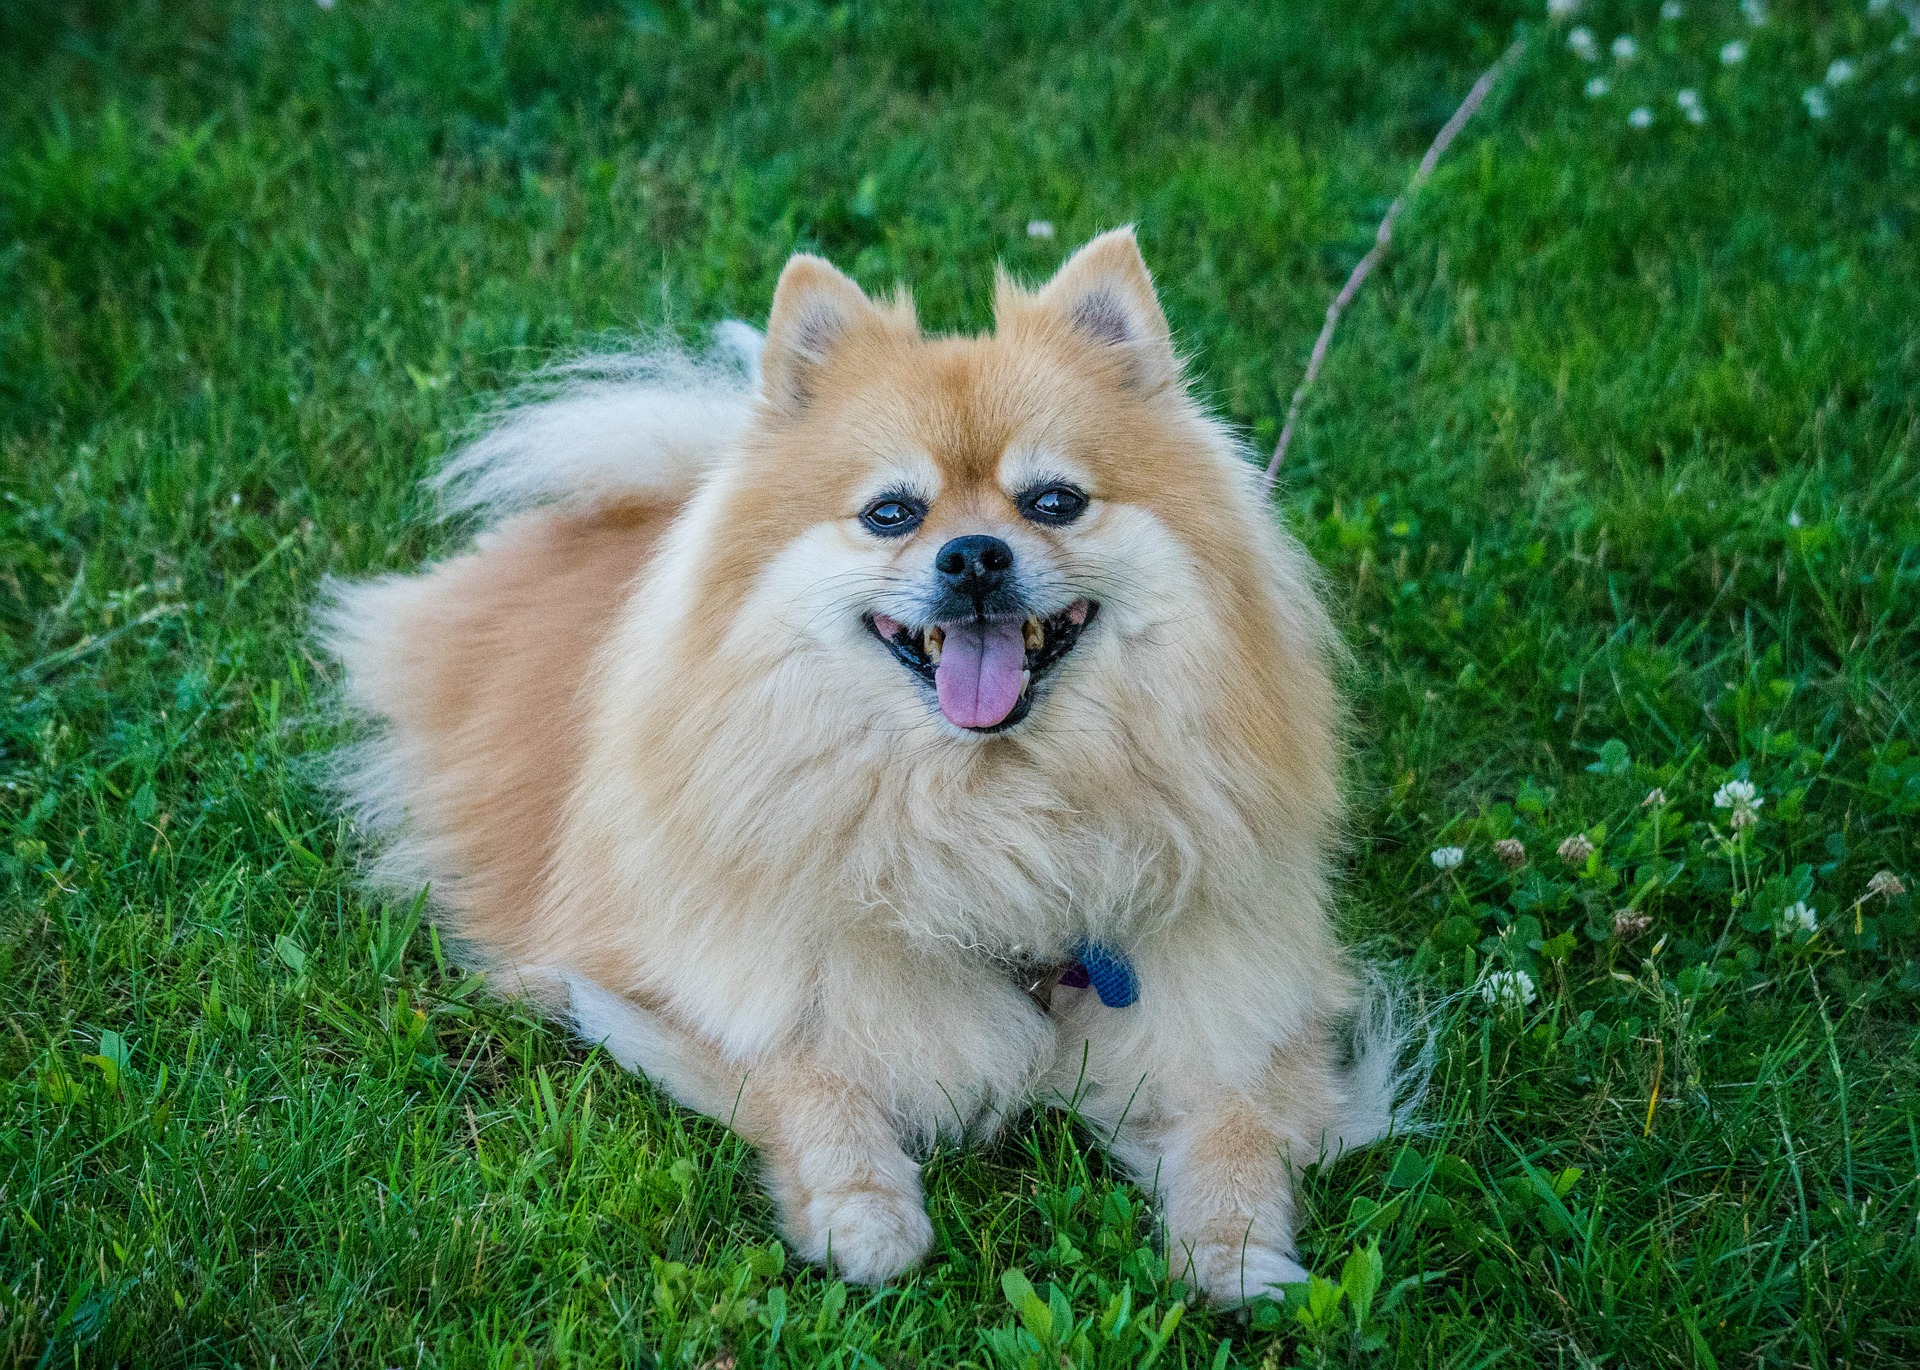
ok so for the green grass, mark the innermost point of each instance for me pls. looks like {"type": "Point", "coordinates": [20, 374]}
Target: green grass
{"type": "Point", "coordinates": [1615, 474]}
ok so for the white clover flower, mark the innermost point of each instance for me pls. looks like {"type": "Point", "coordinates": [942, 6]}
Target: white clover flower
{"type": "Point", "coordinates": [1672, 9]}
{"type": "Point", "coordinates": [1839, 71]}
{"type": "Point", "coordinates": [1885, 884]}
{"type": "Point", "coordinates": [1508, 989]}
{"type": "Point", "coordinates": [1793, 519]}
{"type": "Point", "coordinates": [1560, 9]}
{"type": "Point", "coordinates": [1733, 53]}
{"type": "Point", "coordinates": [1656, 799]}
{"type": "Point", "coordinates": [1640, 117]}
{"type": "Point", "coordinates": [1815, 99]}
{"type": "Point", "coordinates": [1446, 858]}
{"type": "Point", "coordinates": [1576, 849]}
{"type": "Point", "coordinates": [1689, 102]}
{"type": "Point", "coordinates": [1754, 12]}
{"type": "Point", "coordinates": [1582, 44]}
{"type": "Point", "coordinates": [1040, 228]}
{"type": "Point", "coordinates": [1796, 917]}
{"type": "Point", "coordinates": [1596, 87]}
{"type": "Point", "coordinates": [1625, 49]}
{"type": "Point", "coordinates": [1743, 799]}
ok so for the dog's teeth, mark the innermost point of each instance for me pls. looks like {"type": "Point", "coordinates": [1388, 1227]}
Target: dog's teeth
{"type": "Point", "coordinates": [936, 637]}
{"type": "Point", "coordinates": [1035, 634]}
{"type": "Point", "coordinates": [1026, 679]}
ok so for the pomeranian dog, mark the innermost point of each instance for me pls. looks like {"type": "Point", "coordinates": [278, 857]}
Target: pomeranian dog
{"type": "Point", "coordinates": [869, 735]}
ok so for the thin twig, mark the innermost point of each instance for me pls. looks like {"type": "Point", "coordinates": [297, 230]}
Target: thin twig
{"type": "Point", "coordinates": [1382, 237]}
{"type": "Point", "coordinates": [93, 643]}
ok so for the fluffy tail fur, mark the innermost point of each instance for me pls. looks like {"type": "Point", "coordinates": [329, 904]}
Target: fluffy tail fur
{"type": "Point", "coordinates": [1387, 1073]}
{"type": "Point", "coordinates": [644, 423]}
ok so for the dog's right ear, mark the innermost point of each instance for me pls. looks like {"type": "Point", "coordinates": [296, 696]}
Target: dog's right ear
{"type": "Point", "coordinates": [815, 308]}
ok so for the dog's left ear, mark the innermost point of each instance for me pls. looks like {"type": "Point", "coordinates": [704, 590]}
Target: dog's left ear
{"type": "Point", "coordinates": [1106, 296]}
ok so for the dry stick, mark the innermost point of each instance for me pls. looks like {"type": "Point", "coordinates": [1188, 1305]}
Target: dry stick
{"type": "Point", "coordinates": [1382, 236]}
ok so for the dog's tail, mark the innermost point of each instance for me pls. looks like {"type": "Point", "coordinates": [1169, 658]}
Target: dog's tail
{"type": "Point", "coordinates": [690, 1070]}
{"type": "Point", "coordinates": [1390, 1061]}
{"type": "Point", "coordinates": [645, 423]}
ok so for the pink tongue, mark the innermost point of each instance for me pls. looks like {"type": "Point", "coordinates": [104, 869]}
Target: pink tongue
{"type": "Point", "coordinates": [979, 672]}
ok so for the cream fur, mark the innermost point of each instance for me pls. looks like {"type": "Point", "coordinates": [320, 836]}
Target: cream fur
{"type": "Point", "coordinates": [663, 779]}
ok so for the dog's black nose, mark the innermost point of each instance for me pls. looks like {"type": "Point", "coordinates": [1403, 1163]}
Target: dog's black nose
{"type": "Point", "coordinates": [974, 566]}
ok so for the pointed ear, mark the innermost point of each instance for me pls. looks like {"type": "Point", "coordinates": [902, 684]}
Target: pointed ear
{"type": "Point", "coordinates": [1106, 296]}
{"type": "Point", "coordinates": [814, 308]}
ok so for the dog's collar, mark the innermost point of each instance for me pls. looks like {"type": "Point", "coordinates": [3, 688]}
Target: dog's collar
{"type": "Point", "coordinates": [1100, 966]}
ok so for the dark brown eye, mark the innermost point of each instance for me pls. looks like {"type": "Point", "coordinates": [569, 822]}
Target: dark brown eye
{"type": "Point", "coordinates": [1054, 504]}
{"type": "Point", "coordinates": [893, 516]}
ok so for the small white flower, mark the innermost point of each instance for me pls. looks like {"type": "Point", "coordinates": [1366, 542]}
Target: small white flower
{"type": "Point", "coordinates": [1839, 71]}
{"type": "Point", "coordinates": [1885, 884]}
{"type": "Point", "coordinates": [1673, 9]}
{"type": "Point", "coordinates": [1582, 44]}
{"type": "Point", "coordinates": [1796, 917]}
{"type": "Point", "coordinates": [1734, 53]}
{"type": "Point", "coordinates": [1656, 799]}
{"type": "Point", "coordinates": [1446, 858]}
{"type": "Point", "coordinates": [1689, 102]}
{"type": "Point", "coordinates": [1754, 12]}
{"type": "Point", "coordinates": [1793, 519]}
{"type": "Point", "coordinates": [1625, 49]}
{"type": "Point", "coordinates": [1576, 849]}
{"type": "Point", "coordinates": [1508, 989]}
{"type": "Point", "coordinates": [1040, 228]}
{"type": "Point", "coordinates": [1743, 799]}
{"type": "Point", "coordinates": [324, 4]}
{"type": "Point", "coordinates": [1560, 9]}
{"type": "Point", "coordinates": [1640, 117]}
{"type": "Point", "coordinates": [1815, 99]}
{"type": "Point", "coordinates": [1596, 87]}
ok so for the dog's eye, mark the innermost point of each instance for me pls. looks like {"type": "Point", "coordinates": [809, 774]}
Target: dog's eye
{"type": "Point", "coordinates": [892, 516]}
{"type": "Point", "coordinates": [1054, 504]}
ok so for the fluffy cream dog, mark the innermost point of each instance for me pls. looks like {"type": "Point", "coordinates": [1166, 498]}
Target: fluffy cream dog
{"type": "Point", "coordinates": [836, 735]}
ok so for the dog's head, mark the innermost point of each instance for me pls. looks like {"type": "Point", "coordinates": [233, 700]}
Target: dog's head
{"type": "Point", "coordinates": [974, 529]}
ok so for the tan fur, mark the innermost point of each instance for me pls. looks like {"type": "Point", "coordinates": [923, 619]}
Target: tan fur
{"type": "Point", "coordinates": [479, 667]}
{"type": "Point", "coordinates": [658, 769]}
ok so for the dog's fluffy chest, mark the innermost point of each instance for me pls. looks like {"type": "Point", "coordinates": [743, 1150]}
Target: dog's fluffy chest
{"type": "Point", "coordinates": [1009, 862]}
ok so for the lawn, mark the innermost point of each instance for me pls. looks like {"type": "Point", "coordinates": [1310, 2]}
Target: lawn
{"type": "Point", "coordinates": [1614, 473]}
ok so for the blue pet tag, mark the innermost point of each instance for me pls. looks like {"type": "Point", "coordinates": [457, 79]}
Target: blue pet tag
{"type": "Point", "coordinates": [1107, 970]}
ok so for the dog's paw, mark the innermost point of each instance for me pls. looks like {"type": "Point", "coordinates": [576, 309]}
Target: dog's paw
{"type": "Point", "coordinates": [1233, 1275]}
{"type": "Point", "coordinates": [871, 1234]}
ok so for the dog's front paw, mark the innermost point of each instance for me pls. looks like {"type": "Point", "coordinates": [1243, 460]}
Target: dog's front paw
{"type": "Point", "coordinates": [871, 1233]}
{"type": "Point", "coordinates": [1233, 1275]}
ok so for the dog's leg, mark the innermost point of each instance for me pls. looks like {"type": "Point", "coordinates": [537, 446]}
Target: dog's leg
{"type": "Point", "coordinates": [1222, 1177]}
{"type": "Point", "coordinates": [1221, 1163]}
{"type": "Point", "coordinates": [847, 1192]}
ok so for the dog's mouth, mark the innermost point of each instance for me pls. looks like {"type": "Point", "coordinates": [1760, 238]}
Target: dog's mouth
{"type": "Point", "coordinates": [984, 670]}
